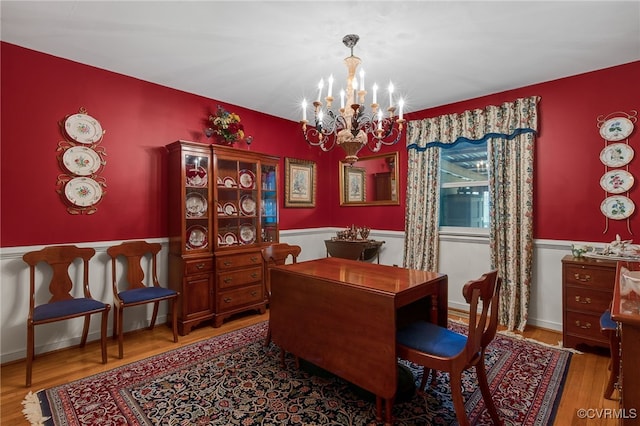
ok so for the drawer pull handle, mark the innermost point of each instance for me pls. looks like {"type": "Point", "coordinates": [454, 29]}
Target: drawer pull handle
{"type": "Point", "coordinates": [254, 293]}
{"type": "Point", "coordinates": [254, 259]}
{"type": "Point", "coordinates": [200, 266]}
{"type": "Point", "coordinates": [228, 263]}
{"type": "Point", "coordinates": [583, 278]}
{"type": "Point", "coordinates": [228, 280]}
{"type": "Point", "coordinates": [586, 325]}
{"type": "Point", "coordinates": [254, 275]}
{"type": "Point", "coordinates": [586, 301]}
{"type": "Point", "coordinates": [227, 300]}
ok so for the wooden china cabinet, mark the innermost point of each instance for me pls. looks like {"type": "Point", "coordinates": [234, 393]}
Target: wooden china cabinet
{"type": "Point", "coordinates": [223, 208]}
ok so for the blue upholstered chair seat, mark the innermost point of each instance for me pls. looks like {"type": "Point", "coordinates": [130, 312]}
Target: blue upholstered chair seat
{"type": "Point", "coordinates": [144, 294]}
{"type": "Point", "coordinates": [606, 322]}
{"type": "Point", "coordinates": [432, 339]}
{"type": "Point", "coordinates": [64, 308]}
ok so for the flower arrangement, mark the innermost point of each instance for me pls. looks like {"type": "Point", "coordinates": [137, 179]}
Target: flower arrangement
{"type": "Point", "coordinates": [226, 126]}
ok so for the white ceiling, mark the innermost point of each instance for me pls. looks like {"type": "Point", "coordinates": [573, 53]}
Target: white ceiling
{"type": "Point", "coordinates": [269, 55]}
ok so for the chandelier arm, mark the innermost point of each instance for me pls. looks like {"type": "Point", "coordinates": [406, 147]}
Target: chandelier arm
{"type": "Point", "coordinates": [315, 138]}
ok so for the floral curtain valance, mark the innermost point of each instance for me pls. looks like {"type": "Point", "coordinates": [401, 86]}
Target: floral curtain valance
{"type": "Point", "coordinates": [506, 121]}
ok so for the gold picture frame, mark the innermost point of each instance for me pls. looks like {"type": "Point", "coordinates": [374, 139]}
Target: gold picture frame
{"type": "Point", "coordinates": [356, 190]}
{"type": "Point", "coordinates": [300, 183]}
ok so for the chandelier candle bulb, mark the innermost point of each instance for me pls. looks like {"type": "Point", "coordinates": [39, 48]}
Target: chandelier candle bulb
{"type": "Point", "coordinates": [320, 86]}
{"type": "Point", "coordinates": [400, 106]}
{"type": "Point", "coordinates": [342, 99]}
{"type": "Point", "coordinates": [330, 91]}
{"type": "Point", "coordinates": [362, 79]}
{"type": "Point", "coordinates": [304, 110]}
{"type": "Point", "coordinates": [390, 95]}
{"type": "Point", "coordinates": [375, 94]}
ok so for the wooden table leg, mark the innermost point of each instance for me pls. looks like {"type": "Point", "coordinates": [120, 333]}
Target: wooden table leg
{"type": "Point", "coordinates": [388, 421]}
{"type": "Point", "coordinates": [378, 408]}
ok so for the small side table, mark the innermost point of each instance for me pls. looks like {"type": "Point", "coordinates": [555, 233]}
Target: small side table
{"type": "Point", "coordinates": [364, 250]}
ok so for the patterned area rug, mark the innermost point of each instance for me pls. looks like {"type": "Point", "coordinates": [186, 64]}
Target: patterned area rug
{"type": "Point", "coordinates": [233, 380]}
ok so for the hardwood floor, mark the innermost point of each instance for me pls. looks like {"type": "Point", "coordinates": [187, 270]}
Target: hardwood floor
{"type": "Point", "coordinates": [586, 379]}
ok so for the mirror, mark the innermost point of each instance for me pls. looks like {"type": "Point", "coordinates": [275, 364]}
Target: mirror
{"type": "Point", "coordinates": [371, 181]}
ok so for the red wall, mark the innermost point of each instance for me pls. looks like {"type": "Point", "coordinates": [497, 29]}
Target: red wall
{"type": "Point", "coordinates": [567, 170]}
{"type": "Point", "coordinates": [140, 118]}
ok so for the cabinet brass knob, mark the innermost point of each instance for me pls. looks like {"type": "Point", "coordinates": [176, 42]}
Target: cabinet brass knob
{"type": "Point", "coordinates": [228, 280]}
{"type": "Point", "coordinates": [583, 278]}
{"type": "Point", "coordinates": [254, 259]}
{"type": "Point", "coordinates": [227, 299]}
{"type": "Point", "coordinates": [254, 275]}
{"type": "Point", "coordinates": [586, 300]}
{"type": "Point", "coordinates": [253, 293]}
{"type": "Point", "coordinates": [200, 266]}
{"type": "Point", "coordinates": [227, 263]}
{"type": "Point", "coordinates": [586, 325]}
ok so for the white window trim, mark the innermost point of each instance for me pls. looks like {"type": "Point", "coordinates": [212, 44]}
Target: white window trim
{"type": "Point", "coordinates": [463, 231]}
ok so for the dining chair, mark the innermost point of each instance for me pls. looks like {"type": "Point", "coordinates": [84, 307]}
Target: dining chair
{"type": "Point", "coordinates": [609, 328]}
{"type": "Point", "coordinates": [133, 288]}
{"type": "Point", "coordinates": [277, 254]}
{"type": "Point", "coordinates": [438, 348]}
{"type": "Point", "coordinates": [65, 301]}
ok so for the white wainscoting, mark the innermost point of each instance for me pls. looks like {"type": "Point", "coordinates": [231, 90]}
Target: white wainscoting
{"type": "Point", "coordinates": [461, 257]}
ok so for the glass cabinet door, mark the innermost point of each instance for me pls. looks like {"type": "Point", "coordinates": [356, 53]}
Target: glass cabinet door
{"type": "Point", "coordinates": [236, 203]}
{"type": "Point", "coordinates": [269, 204]}
{"type": "Point", "coordinates": [196, 201]}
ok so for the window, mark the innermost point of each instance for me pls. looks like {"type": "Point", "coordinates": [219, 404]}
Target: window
{"type": "Point", "coordinates": [464, 186]}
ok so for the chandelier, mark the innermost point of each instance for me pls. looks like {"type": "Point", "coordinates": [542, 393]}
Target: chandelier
{"type": "Point", "coordinates": [351, 127]}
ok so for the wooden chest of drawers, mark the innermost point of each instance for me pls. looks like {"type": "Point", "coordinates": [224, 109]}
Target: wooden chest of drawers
{"type": "Point", "coordinates": [587, 291]}
{"type": "Point", "coordinates": [238, 283]}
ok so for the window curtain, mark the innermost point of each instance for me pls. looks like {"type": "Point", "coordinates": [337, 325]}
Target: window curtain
{"type": "Point", "coordinates": [509, 130]}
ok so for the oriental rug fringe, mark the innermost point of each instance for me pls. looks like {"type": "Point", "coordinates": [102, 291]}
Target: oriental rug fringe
{"type": "Point", "coordinates": [233, 380]}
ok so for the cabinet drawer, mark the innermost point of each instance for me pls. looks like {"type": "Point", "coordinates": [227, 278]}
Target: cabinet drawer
{"type": "Point", "coordinates": [201, 266]}
{"type": "Point", "coordinates": [239, 260]}
{"type": "Point", "coordinates": [587, 299]}
{"type": "Point", "coordinates": [242, 296]}
{"type": "Point", "coordinates": [586, 325]}
{"type": "Point", "coordinates": [590, 277]}
{"type": "Point", "coordinates": [236, 278]}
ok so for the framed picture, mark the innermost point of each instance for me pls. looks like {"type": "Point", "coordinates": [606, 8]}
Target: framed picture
{"type": "Point", "coordinates": [300, 183]}
{"type": "Point", "coordinates": [355, 185]}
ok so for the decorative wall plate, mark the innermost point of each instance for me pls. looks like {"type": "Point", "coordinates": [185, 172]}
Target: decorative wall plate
{"type": "Point", "coordinates": [197, 176]}
{"type": "Point", "coordinates": [247, 205]}
{"type": "Point", "coordinates": [616, 128]}
{"type": "Point", "coordinates": [220, 240]}
{"type": "Point", "coordinates": [81, 161]}
{"type": "Point", "coordinates": [230, 209]}
{"type": "Point", "coordinates": [196, 205]}
{"type": "Point", "coordinates": [617, 181]}
{"type": "Point", "coordinates": [247, 233]}
{"type": "Point", "coordinates": [220, 209]}
{"type": "Point", "coordinates": [617, 207]}
{"type": "Point", "coordinates": [247, 179]}
{"type": "Point", "coordinates": [616, 155]}
{"type": "Point", "coordinates": [83, 191]}
{"type": "Point", "coordinates": [197, 237]}
{"type": "Point", "coordinates": [83, 128]}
